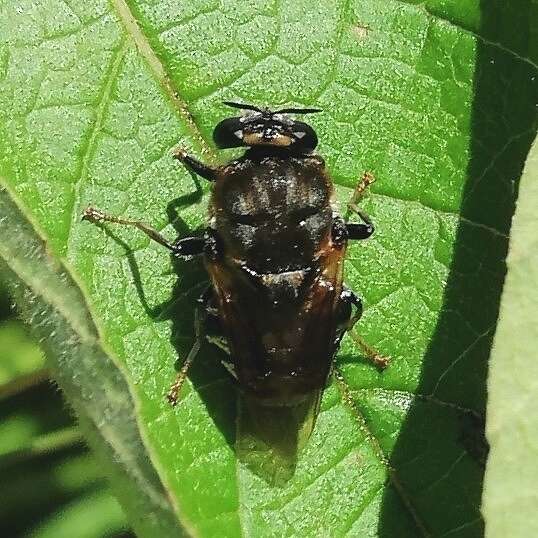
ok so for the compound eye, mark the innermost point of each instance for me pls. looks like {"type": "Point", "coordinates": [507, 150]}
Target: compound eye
{"type": "Point", "coordinates": [305, 136]}
{"type": "Point", "coordinates": [229, 133]}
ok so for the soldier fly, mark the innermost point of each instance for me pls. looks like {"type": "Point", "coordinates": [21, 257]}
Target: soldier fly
{"type": "Point", "coordinates": [274, 251]}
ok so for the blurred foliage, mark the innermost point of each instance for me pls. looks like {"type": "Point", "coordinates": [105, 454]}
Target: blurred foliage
{"type": "Point", "coordinates": [51, 486]}
{"type": "Point", "coordinates": [513, 381]}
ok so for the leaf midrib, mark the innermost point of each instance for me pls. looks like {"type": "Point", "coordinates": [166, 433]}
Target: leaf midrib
{"type": "Point", "coordinates": [132, 28]}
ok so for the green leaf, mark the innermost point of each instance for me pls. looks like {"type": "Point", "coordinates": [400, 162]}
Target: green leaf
{"type": "Point", "coordinates": [39, 487]}
{"type": "Point", "coordinates": [510, 484]}
{"type": "Point", "coordinates": [437, 100]}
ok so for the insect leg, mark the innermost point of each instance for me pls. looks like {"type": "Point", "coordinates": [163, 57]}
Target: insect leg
{"type": "Point", "coordinates": [173, 394]}
{"type": "Point", "coordinates": [360, 231]}
{"type": "Point", "coordinates": [189, 246]}
{"type": "Point", "coordinates": [351, 298]}
{"type": "Point", "coordinates": [366, 228]}
{"type": "Point", "coordinates": [366, 180]}
{"type": "Point", "coordinates": [341, 230]}
{"type": "Point", "coordinates": [196, 166]}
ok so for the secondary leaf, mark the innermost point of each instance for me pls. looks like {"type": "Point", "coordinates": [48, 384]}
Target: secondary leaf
{"type": "Point", "coordinates": [41, 461]}
{"type": "Point", "coordinates": [510, 486]}
{"type": "Point", "coordinates": [91, 516]}
{"type": "Point", "coordinates": [438, 103]}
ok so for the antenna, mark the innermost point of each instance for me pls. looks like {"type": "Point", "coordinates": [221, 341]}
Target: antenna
{"type": "Point", "coordinates": [297, 111]}
{"type": "Point", "coordinates": [242, 106]}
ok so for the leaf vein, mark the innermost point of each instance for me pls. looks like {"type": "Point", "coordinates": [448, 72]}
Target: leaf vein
{"type": "Point", "coordinates": [102, 107]}
{"type": "Point", "coordinates": [368, 499]}
{"type": "Point", "coordinates": [478, 520]}
{"type": "Point", "coordinates": [468, 31]}
{"type": "Point", "coordinates": [158, 69]}
{"type": "Point", "coordinates": [307, 485]}
{"type": "Point", "coordinates": [446, 474]}
{"type": "Point", "coordinates": [429, 398]}
{"type": "Point", "coordinates": [489, 331]}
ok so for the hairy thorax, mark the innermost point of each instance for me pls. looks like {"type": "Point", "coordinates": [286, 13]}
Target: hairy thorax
{"type": "Point", "coordinates": [273, 213]}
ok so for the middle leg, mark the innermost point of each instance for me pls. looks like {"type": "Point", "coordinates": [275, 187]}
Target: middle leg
{"type": "Point", "coordinates": [186, 247]}
{"type": "Point", "coordinates": [366, 228]}
{"type": "Point", "coordinates": [349, 297]}
{"type": "Point", "coordinates": [207, 327]}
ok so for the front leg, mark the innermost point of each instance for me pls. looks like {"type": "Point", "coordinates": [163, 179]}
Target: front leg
{"type": "Point", "coordinates": [196, 166]}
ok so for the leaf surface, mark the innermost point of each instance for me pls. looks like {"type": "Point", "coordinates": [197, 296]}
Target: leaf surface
{"type": "Point", "coordinates": [437, 102]}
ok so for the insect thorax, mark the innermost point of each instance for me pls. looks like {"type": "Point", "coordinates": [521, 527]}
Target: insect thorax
{"type": "Point", "coordinates": [273, 212]}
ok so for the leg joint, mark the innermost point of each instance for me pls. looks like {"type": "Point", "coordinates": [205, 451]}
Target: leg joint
{"type": "Point", "coordinates": [359, 231]}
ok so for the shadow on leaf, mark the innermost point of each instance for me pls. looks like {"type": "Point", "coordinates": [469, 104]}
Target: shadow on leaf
{"type": "Point", "coordinates": [439, 457]}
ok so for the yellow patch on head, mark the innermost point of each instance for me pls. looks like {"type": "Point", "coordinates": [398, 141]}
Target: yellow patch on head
{"type": "Point", "coordinates": [257, 139]}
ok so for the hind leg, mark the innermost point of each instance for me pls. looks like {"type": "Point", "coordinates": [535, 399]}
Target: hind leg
{"type": "Point", "coordinates": [173, 394]}
{"type": "Point", "coordinates": [207, 327]}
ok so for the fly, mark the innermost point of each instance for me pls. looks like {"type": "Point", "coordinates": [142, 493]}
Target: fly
{"type": "Point", "coordinates": [274, 251]}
